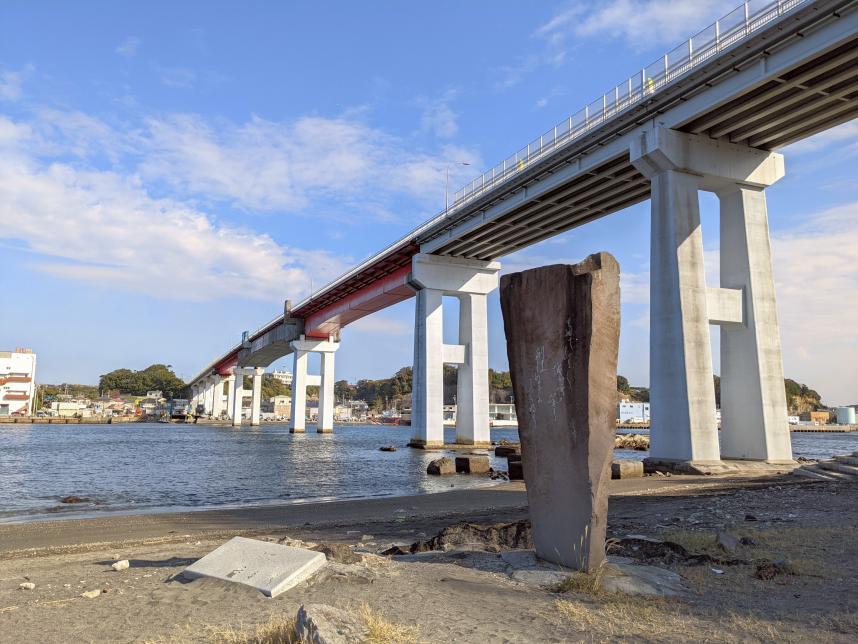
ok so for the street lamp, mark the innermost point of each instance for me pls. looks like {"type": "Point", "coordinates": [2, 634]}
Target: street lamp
{"type": "Point", "coordinates": [447, 184]}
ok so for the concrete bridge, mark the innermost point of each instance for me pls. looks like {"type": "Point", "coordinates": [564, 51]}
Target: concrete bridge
{"type": "Point", "coordinates": [709, 116]}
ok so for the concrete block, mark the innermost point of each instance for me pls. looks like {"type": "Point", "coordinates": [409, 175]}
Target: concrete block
{"type": "Point", "coordinates": [516, 472]}
{"type": "Point", "coordinates": [441, 466]}
{"type": "Point", "coordinates": [627, 469]}
{"type": "Point", "coordinates": [472, 464]}
{"type": "Point", "coordinates": [323, 624]}
{"type": "Point", "coordinates": [506, 450]}
{"type": "Point", "coordinates": [268, 567]}
{"type": "Point", "coordinates": [562, 327]}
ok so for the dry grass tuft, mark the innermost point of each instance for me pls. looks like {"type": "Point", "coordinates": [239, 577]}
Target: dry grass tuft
{"type": "Point", "coordinates": [277, 630]}
{"type": "Point", "coordinates": [381, 631]}
{"type": "Point", "coordinates": [577, 582]}
{"type": "Point", "coordinates": [656, 619]}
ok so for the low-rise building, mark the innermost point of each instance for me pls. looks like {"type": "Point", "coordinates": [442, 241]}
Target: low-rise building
{"type": "Point", "coordinates": [283, 376]}
{"type": "Point", "coordinates": [820, 417]}
{"type": "Point", "coordinates": [17, 382]}
{"type": "Point", "coordinates": [632, 412]}
{"type": "Point", "coordinates": [281, 406]}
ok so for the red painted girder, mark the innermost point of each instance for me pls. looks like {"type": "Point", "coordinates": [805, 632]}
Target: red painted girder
{"type": "Point", "coordinates": [380, 294]}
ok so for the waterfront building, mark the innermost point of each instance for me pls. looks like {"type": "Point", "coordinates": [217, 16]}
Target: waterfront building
{"type": "Point", "coordinates": [821, 417]}
{"type": "Point", "coordinates": [632, 412]}
{"type": "Point", "coordinates": [502, 415]}
{"type": "Point", "coordinates": [281, 406]}
{"type": "Point", "coordinates": [17, 382]}
{"type": "Point", "coordinates": [283, 376]}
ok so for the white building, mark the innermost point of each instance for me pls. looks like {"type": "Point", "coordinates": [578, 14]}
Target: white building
{"type": "Point", "coordinates": [17, 382]}
{"type": "Point", "coordinates": [283, 376]}
{"type": "Point", "coordinates": [632, 412]}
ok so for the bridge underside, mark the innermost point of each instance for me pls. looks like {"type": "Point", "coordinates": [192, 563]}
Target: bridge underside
{"type": "Point", "coordinates": [787, 107]}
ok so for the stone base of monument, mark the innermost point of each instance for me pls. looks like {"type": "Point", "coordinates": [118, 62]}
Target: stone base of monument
{"type": "Point", "coordinates": [270, 568]}
{"type": "Point", "coordinates": [724, 467]}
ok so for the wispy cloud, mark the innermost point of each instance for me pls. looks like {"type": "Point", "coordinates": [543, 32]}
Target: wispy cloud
{"type": "Point", "coordinates": [128, 47]}
{"type": "Point", "coordinates": [106, 228]}
{"type": "Point", "coordinates": [639, 24]}
{"type": "Point", "coordinates": [11, 83]}
{"type": "Point", "coordinates": [438, 116]}
{"type": "Point", "coordinates": [180, 77]}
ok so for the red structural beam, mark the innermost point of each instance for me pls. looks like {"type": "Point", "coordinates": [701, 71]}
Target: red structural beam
{"type": "Point", "coordinates": [375, 296]}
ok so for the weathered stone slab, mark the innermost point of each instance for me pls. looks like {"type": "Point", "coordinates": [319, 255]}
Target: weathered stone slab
{"type": "Point", "coordinates": [627, 469]}
{"type": "Point", "coordinates": [271, 568]}
{"type": "Point", "coordinates": [472, 464]}
{"type": "Point", "coordinates": [562, 328]}
{"type": "Point", "coordinates": [515, 470]}
{"type": "Point", "coordinates": [441, 466]}
{"type": "Point", "coordinates": [323, 624]}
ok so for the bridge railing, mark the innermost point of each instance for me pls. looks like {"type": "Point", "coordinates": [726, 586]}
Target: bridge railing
{"type": "Point", "coordinates": [729, 30]}
{"type": "Point", "coordinates": [734, 27]}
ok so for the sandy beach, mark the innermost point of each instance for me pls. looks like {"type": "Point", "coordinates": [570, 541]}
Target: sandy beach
{"type": "Point", "coordinates": [460, 596]}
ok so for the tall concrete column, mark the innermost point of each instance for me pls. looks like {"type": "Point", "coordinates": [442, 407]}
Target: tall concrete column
{"type": "Point", "coordinates": [210, 394]}
{"type": "Point", "coordinates": [432, 277]}
{"type": "Point", "coordinates": [427, 391]}
{"type": "Point", "coordinates": [230, 395]}
{"type": "Point", "coordinates": [325, 382]}
{"type": "Point", "coordinates": [325, 420]}
{"type": "Point", "coordinates": [754, 409]}
{"type": "Point", "coordinates": [256, 397]}
{"type": "Point", "coordinates": [472, 391]}
{"type": "Point", "coordinates": [682, 394]}
{"type": "Point", "coordinates": [298, 421]}
{"type": "Point", "coordinates": [237, 396]}
{"type": "Point", "coordinates": [217, 402]}
{"type": "Point", "coordinates": [681, 306]}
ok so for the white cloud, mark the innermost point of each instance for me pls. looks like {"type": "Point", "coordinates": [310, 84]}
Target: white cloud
{"type": "Point", "coordinates": [639, 24]}
{"type": "Point", "coordinates": [129, 46]}
{"type": "Point", "coordinates": [438, 117]}
{"type": "Point", "coordinates": [268, 165]}
{"type": "Point", "coordinates": [845, 136]}
{"type": "Point", "coordinates": [11, 83]}
{"type": "Point", "coordinates": [178, 76]}
{"type": "Point", "coordinates": [103, 227]}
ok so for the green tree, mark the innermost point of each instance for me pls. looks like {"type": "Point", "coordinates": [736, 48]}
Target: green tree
{"type": "Point", "coordinates": [137, 383]}
{"type": "Point", "coordinates": [623, 384]}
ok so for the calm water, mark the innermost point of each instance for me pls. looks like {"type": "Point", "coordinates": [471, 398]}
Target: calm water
{"type": "Point", "coordinates": [147, 467]}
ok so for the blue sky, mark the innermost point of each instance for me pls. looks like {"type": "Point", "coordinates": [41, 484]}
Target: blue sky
{"type": "Point", "coordinates": [170, 172]}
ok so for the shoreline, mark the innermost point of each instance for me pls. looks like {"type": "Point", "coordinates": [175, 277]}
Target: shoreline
{"type": "Point", "coordinates": [491, 504]}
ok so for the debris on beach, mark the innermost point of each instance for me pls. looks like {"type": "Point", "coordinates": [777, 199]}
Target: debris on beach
{"type": "Point", "coordinates": [71, 498]}
{"type": "Point", "coordinates": [91, 594]}
{"type": "Point", "coordinates": [492, 538]}
{"type": "Point", "coordinates": [121, 565]}
{"type": "Point", "coordinates": [472, 464]}
{"type": "Point", "coordinates": [27, 585]}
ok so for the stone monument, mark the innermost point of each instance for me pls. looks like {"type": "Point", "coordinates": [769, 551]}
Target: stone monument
{"type": "Point", "coordinates": [562, 327]}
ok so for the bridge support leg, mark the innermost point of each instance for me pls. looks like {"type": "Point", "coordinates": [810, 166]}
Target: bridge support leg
{"type": "Point", "coordinates": [754, 409]}
{"type": "Point", "coordinates": [427, 397]}
{"type": "Point", "coordinates": [208, 395]}
{"type": "Point", "coordinates": [230, 395]}
{"type": "Point", "coordinates": [297, 422]}
{"type": "Point", "coordinates": [432, 277]}
{"type": "Point", "coordinates": [217, 401]}
{"type": "Point", "coordinates": [472, 390]}
{"type": "Point", "coordinates": [325, 420]}
{"type": "Point", "coordinates": [256, 399]}
{"type": "Point", "coordinates": [237, 397]}
{"type": "Point", "coordinates": [682, 307]}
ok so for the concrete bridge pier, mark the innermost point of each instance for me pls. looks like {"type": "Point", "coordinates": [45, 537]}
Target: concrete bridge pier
{"type": "Point", "coordinates": [237, 396]}
{"type": "Point", "coordinates": [682, 307]}
{"type": "Point", "coordinates": [301, 380]}
{"type": "Point", "coordinates": [217, 396]}
{"type": "Point", "coordinates": [230, 395]}
{"type": "Point", "coordinates": [433, 277]}
{"type": "Point", "coordinates": [256, 396]}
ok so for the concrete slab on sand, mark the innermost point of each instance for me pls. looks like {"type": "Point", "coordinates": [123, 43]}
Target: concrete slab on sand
{"type": "Point", "coordinates": [268, 567]}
